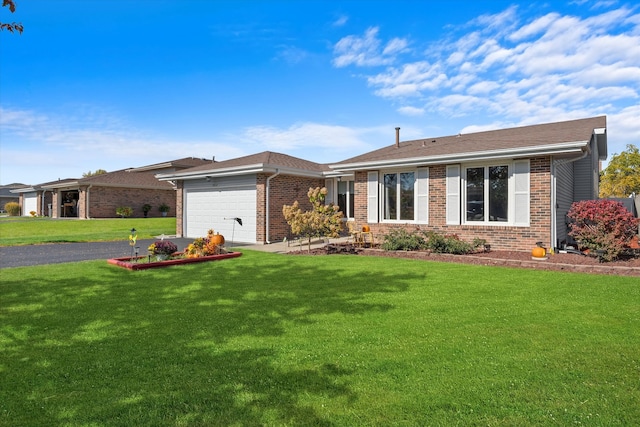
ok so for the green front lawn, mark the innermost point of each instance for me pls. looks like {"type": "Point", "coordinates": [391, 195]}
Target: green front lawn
{"type": "Point", "coordinates": [16, 231]}
{"type": "Point", "coordinates": [268, 339]}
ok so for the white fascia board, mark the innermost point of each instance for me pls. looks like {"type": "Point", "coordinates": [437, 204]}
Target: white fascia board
{"type": "Point", "coordinates": [70, 185]}
{"type": "Point", "coordinates": [240, 170]}
{"type": "Point", "coordinates": [564, 148]}
{"type": "Point", "coordinates": [24, 190]}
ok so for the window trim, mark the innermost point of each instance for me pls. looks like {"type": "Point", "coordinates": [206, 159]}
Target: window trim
{"type": "Point", "coordinates": [348, 216]}
{"type": "Point", "coordinates": [511, 193]}
{"type": "Point", "coordinates": [420, 193]}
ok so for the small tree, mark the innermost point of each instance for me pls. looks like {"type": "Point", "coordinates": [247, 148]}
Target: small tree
{"type": "Point", "coordinates": [12, 208]}
{"type": "Point", "coordinates": [97, 172]}
{"type": "Point", "coordinates": [322, 221]}
{"type": "Point", "coordinates": [124, 211]}
{"type": "Point", "coordinates": [621, 177]}
{"type": "Point", "coordinates": [602, 224]}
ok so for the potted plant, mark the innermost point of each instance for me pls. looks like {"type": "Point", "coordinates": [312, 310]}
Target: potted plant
{"type": "Point", "coordinates": [164, 208]}
{"type": "Point", "coordinates": [162, 249]}
{"type": "Point", "coordinates": [145, 209]}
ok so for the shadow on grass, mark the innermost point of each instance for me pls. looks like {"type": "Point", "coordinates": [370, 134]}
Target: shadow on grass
{"type": "Point", "coordinates": [199, 344]}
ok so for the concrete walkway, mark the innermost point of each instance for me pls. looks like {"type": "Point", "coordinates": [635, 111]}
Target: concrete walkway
{"type": "Point", "coordinates": [55, 253]}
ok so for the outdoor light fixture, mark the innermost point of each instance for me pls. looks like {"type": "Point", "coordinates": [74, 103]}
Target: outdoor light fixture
{"type": "Point", "coordinates": [133, 237]}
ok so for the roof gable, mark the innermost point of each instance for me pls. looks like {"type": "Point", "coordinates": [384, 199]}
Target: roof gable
{"type": "Point", "coordinates": [266, 161]}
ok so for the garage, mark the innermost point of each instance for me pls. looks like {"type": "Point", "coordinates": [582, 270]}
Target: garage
{"type": "Point", "coordinates": [29, 203]}
{"type": "Point", "coordinates": [206, 208]}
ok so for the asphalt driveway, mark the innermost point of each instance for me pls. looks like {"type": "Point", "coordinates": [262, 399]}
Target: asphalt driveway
{"type": "Point", "coordinates": [22, 256]}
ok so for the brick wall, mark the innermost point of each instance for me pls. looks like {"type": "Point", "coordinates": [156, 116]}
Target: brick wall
{"type": "Point", "coordinates": [499, 237]}
{"type": "Point", "coordinates": [283, 190]}
{"type": "Point", "coordinates": [103, 201]}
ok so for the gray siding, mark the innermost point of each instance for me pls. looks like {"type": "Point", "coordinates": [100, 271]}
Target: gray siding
{"type": "Point", "coordinates": [564, 198]}
{"type": "Point", "coordinates": [586, 174]}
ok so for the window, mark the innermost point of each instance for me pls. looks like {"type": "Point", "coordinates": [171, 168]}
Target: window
{"type": "Point", "coordinates": [346, 198]}
{"type": "Point", "coordinates": [487, 194]}
{"type": "Point", "coordinates": [399, 196]}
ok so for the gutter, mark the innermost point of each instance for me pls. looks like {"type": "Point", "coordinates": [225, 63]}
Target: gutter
{"type": "Point", "coordinates": [266, 221]}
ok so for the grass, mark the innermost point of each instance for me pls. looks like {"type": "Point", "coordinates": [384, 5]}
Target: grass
{"type": "Point", "coordinates": [267, 339]}
{"type": "Point", "coordinates": [16, 231]}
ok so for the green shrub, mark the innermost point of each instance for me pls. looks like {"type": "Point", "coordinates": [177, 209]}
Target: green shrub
{"type": "Point", "coordinates": [449, 244]}
{"type": "Point", "coordinates": [402, 240]}
{"type": "Point", "coordinates": [12, 208]}
{"type": "Point", "coordinates": [124, 211]}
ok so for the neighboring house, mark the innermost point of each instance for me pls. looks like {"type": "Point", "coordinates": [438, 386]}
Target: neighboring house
{"type": "Point", "coordinates": [98, 196]}
{"type": "Point", "coordinates": [512, 187]}
{"type": "Point", "coordinates": [7, 196]}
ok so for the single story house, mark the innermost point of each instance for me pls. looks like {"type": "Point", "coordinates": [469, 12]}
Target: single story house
{"type": "Point", "coordinates": [6, 196]}
{"type": "Point", "coordinates": [512, 187]}
{"type": "Point", "coordinates": [98, 196]}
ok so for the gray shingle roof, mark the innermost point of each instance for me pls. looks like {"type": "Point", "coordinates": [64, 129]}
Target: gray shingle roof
{"type": "Point", "coordinates": [539, 137]}
{"type": "Point", "coordinates": [264, 161]}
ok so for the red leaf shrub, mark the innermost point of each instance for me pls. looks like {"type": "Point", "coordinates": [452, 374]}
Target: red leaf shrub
{"type": "Point", "coordinates": [602, 224]}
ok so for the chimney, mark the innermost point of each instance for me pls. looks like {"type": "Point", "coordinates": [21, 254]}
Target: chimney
{"type": "Point", "coordinates": [397, 137]}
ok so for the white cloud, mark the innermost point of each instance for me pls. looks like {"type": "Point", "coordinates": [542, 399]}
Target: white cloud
{"type": "Point", "coordinates": [509, 68]}
{"type": "Point", "coordinates": [411, 111]}
{"type": "Point", "coordinates": [366, 51]}
{"type": "Point", "coordinates": [341, 21]}
{"type": "Point", "coordinates": [305, 136]}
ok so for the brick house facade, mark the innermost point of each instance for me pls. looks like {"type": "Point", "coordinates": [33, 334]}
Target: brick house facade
{"type": "Point", "coordinates": [98, 196]}
{"type": "Point", "coordinates": [510, 187]}
{"type": "Point", "coordinates": [500, 237]}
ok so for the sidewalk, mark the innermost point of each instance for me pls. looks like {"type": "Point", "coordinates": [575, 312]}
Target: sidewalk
{"type": "Point", "coordinates": [282, 247]}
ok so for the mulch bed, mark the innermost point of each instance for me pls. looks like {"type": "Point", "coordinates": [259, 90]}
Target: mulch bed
{"type": "Point", "coordinates": [625, 266]}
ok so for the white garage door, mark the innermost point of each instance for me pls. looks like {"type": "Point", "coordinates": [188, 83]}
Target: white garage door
{"type": "Point", "coordinates": [206, 209]}
{"type": "Point", "coordinates": [29, 203]}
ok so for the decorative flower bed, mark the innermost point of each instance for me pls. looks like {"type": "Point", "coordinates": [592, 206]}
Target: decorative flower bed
{"type": "Point", "coordinates": [165, 253]}
{"type": "Point", "coordinates": [142, 263]}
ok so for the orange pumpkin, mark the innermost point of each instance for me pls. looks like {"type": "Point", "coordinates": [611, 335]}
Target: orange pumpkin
{"type": "Point", "coordinates": [366, 228]}
{"type": "Point", "coordinates": [538, 252]}
{"type": "Point", "coordinates": [217, 239]}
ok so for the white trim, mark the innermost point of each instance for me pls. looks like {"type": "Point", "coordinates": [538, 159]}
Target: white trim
{"type": "Point", "coordinates": [421, 206]}
{"type": "Point", "coordinates": [372, 197]}
{"type": "Point", "coordinates": [453, 195]}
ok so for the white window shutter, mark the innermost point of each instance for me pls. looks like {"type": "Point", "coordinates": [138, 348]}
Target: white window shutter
{"type": "Point", "coordinates": [453, 194]}
{"type": "Point", "coordinates": [372, 197]}
{"type": "Point", "coordinates": [328, 184]}
{"type": "Point", "coordinates": [422, 196]}
{"type": "Point", "coordinates": [521, 192]}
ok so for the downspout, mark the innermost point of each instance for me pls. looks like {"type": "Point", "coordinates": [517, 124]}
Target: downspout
{"type": "Point", "coordinates": [86, 203]}
{"type": "Point", "coordinates": [44, 192]}
{"type": "Point", "coordinates": [266, 220]}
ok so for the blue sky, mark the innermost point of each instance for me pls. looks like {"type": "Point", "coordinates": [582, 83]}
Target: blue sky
{"type": "Point", "coordinates": [111, 84]}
